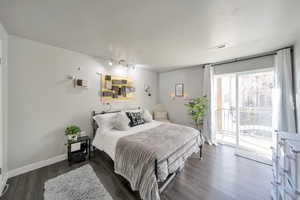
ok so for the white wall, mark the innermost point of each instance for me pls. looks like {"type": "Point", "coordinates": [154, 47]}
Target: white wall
{"type": "Point", "coordinates": [42, 101]}
{"type": "Point", "coordinates": [297, 81]}
{"type": "Point", "coordinates": [3, 100]}
{"type": "Point", "coordinates": [192, 79]}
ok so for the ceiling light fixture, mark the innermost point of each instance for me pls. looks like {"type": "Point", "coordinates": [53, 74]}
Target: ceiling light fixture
{"type": "Point", "coordinates": [121, 62]}
{"type": "Point", "coordinates": [130, 66]}
{"type": "Point", "coordinates": [221, 46]}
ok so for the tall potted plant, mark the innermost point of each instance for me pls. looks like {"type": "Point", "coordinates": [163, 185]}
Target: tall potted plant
{"type": "Point", "coordinates": [197, 110]}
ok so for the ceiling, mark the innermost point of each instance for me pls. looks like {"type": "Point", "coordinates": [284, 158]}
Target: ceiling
{"type": "Point", "coordinates": [160, 35]}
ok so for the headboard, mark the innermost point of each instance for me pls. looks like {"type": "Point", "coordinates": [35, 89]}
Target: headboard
{"type": "Point", "coordinates": [94, 113]}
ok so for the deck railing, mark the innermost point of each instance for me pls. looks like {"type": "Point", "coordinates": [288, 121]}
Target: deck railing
{"type": "Point", "coordinates": [253, 121]}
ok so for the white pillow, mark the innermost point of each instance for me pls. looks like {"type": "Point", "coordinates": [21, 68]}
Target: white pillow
{"type": "Point", "coordinates": [147, 116]}
{"type": "Point", "coordinates": [121, 121]}
{"type": "Point", "coordinates": [134, 111]}
{"type": "Point", "coordinates": [160, 115]}
{"type": "Point", "coordinates": [105, 121]}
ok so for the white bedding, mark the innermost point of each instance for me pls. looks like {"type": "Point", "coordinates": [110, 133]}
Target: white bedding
{"type": "Point", "coordinates": [107, 140]}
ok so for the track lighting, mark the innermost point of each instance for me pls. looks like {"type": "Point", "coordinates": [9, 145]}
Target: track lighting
{"type": "Point", "coordinates": [110, 62]}
{"type": "Point", "coordinates": [121, 62]}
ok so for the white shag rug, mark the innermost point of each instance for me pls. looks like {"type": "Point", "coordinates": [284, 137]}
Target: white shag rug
{"type": "Point", "coordinates": [79, 184]}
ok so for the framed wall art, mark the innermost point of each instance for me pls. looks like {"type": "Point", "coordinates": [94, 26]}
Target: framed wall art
{"type": "Point", "coordinates": [179, 90]}
{"type": "Point", "coordinates": [115, 88]}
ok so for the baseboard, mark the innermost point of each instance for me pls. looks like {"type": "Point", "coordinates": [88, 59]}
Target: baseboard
{"type": "Point", "coordinates": [37, 165]}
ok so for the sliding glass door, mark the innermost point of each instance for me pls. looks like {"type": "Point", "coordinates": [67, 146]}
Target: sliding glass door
{"type": "Point", "coordinates": [225, 108]}
{"type": "Point", "coordinates": [244, 112]}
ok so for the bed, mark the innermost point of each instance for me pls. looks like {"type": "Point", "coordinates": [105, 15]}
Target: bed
{"type": "Point", "coordinates": [156, 172]}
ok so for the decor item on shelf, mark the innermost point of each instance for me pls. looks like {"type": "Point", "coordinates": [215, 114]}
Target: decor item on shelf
{"type": "Point", "coordinates": [80, 83]}
{"type": "Point", "coordinates": [108, 82]}
{"type": "Point", "coordinates": [197, 109]}
{"type": "Point", "coordinates": [72, 132]}
{"type": "Point", "coordinates": [116, 88]}
{"type": "Point", "coordinates": [147, 90]}
{"type": "Point", "coordinates": [179, 90]}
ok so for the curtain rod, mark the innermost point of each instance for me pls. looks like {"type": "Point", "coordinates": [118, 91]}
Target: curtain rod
{"type": "Point", "coordinates": [270, 53]}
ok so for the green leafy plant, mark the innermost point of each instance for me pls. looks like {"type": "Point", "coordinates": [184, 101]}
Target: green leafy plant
{"type": "Point", "coordinates": [72, 130]}
{"type": "Point", "coordinates": [197, 110]}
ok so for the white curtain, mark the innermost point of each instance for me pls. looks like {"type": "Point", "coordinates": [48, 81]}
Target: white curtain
{"type": "Point", "coordinates": [283, 99]}
{"type": "Point", "coordinates": [208, 123]}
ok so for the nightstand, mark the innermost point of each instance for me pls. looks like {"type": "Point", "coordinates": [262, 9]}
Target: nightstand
{"type": "Point", "coordinates": [79, 150]}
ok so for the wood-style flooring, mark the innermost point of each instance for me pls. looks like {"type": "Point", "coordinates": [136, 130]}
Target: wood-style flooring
{"type": "Point", "coordinates": [219, 176]}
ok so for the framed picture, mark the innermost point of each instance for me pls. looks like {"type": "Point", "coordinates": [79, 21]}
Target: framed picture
{"type": "Point", "coordinates": [179, 90]}
{"type": "Point", "coordinates": [116, 88]}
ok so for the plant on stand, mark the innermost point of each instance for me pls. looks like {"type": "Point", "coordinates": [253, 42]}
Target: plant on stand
{"type": "Point", "coordinates": [197, 110]}
{"type": "Point", "coordinates": [72, 132]}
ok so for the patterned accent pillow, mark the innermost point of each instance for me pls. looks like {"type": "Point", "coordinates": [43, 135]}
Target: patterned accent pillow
{"type": "Point", "coordinates": [135, 118]}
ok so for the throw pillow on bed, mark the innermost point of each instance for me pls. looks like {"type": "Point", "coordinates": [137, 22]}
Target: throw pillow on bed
{"type": "Point", "coordinates": [105, 121]}
{"type": "Point", "coordinates": [147, 116]}
{"type": "Point", "coordinates": [160, 115]}
{"type": "Point", "coordinates": [121, 121]}
{"type": "Point", "coordinates": [135, 118]}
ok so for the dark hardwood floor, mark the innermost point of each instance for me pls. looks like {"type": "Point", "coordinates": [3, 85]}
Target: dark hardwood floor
{"type": "Point", "coordinates": [219, 176]}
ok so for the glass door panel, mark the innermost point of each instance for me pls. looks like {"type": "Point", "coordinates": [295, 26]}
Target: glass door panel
{"type": "Point", "coordinates": [243, 119]}
{"type": "Point", "coordinates": [225, 112]}
{"type": "Point", "coordinates": [255, 115]}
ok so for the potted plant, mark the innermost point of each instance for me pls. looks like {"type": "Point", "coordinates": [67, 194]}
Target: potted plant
{"type": "Point", "coordinates": [197, 109]}
{"type": "Point", "coordinates": [72, 132]}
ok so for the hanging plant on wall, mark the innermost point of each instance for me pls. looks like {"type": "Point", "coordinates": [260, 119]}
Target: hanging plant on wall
{"type": "Point", "coordinates": [197, 110]}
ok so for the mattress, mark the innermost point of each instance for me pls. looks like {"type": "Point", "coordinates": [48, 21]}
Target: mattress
{"type": "Point", "coordinates": [107, 140]}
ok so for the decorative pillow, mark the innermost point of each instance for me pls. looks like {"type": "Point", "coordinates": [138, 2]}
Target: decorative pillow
{"type": "Point", "coordinates": [134, 110]}
{"type": "Point", "coordinates": [121, 121]}
{"type": "Point", "coordinates": [147, 116]}
{"type": "Point", "coordinates": [105, 121]}
{"type": "Point", "coordinates": [135, 118]}
{"type": "Point", "coordinates": [160, 115]}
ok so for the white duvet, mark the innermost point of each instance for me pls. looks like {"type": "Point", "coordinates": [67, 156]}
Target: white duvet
{"type": "Point", "coordinates": [107, 140]}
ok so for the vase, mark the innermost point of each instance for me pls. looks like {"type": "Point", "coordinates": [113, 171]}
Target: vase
{"type": "Point", "coordinates": [72, 137]}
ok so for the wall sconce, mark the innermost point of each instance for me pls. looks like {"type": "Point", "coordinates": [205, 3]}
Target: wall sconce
{"type": "Point", "coordinates": [185, 96]}
{"type": "Point", "coordinates": [147, 90]}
